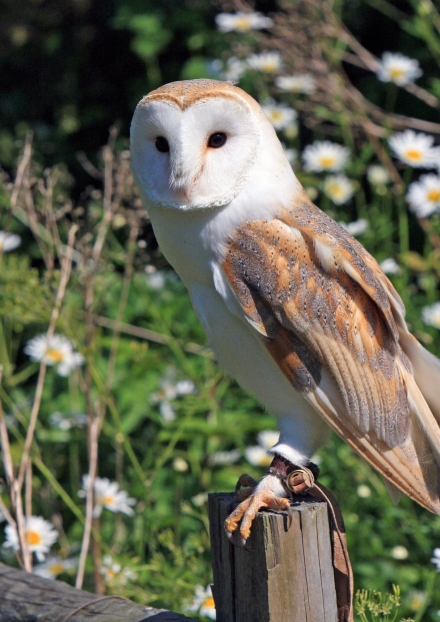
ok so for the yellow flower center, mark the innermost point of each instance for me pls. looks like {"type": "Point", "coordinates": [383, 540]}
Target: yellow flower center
{"type": "Point", "coordinates": [327, 161]}
{"type": "Point", "coordinates": [433, 195]}
{"type": "Point", "coordinates": [111, 574]}
{"type": "Point", "coordinates": [242, 23]}
{"type": "Point", "coordinates": [56, 568]}
{"type": "Point", "coordinates": [396, 73]}
{"type": "Point", "coordinates": [414, 154]}
{"type": "Point", "coordinates": [275, 115]}
{"type": "Point", "coordinates": [265, 460]}
{"type": "Point", "coordinates": [33, 537]}
{"type": "Point", "coordinates": [107, 500]}
{"type": "Point", "coordinates": [436, 320]}
{"type": "Point", "coordinates": [1, 245]}
{"type": "Point", "coordinates": [209, 602]}
{"type": "Point", "coordinates": [56, 355]}
{"type": "Point", "coordinates": [416, 602]}
{"type": "Point", "coordinates": [335, 190]}
{"type": "Point", "coordinates": [270, 66]}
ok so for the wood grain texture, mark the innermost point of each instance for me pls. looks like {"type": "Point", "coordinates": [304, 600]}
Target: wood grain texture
{"type": "Point", "coordinates": [286, 576]}
{"type": "Point", "coordinates": [27, 598]}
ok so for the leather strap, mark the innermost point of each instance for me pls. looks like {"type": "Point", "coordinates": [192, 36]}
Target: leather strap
{"type": "Point", "coordinates": [301, 480]}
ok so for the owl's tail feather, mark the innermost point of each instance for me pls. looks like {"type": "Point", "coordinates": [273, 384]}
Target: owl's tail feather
{"type": "Point", "coordinates": [412, 467]}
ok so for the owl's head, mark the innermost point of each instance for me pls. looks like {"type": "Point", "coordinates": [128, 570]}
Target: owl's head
{"type": "Point", "coordinates": [194, 143]}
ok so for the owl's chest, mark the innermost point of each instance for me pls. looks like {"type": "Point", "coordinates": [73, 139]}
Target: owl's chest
{"type": "Point", "coordinates": [188, 243]}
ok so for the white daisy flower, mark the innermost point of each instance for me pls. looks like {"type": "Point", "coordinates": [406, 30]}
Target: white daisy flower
{"type": "Point", "coordinates": [242, 22]}
{"type": "Point", "coordinates": [390, 266]}
{"type": "Point", "coordinates": [200, 499]}
{"type": "Point", "coordinates": [424, 195]}
{"type": "Point", "coordinates": [436, 559]}
{"type": "Point", "coordinates": [398, 69]}
{"type": "Point", "coordinates": [364, 491]}
{"type": "Point", "coordinates": [431, 315]}
{"type": "Point", "coordinates": [108, 495]}
{"type": "Point", "coordinates": [224, 457]}
{"type": "Point", "coordinates": [170, 390]}
{"type": "Point", "coordinates": [67, 422]}
{"type": "Point", "coordinates": [399, 552]}
{"type": "Point", "coordinates": [268, 62]}
{"type": "Point", "coordinates": [203, 602]}
{"type": "Point", "coordinates": [355, 228]}
{"type": "Point", "coordinates": [291, 131]}
{"type": "Point", "coordinates": [58, 350]}
{"type": "Point", "coordinates": [185, 387]}
{"type": "Point", "coordinates": [65, 367]}
{"type": "Point", "coordinates": [113, 572]}
{"type": "Point", "coordinates": [167, 411]}
{"type": "Point", "coordinates": [414, 149]}
{"type": "Point", "coordinates": [258, 456]}
{"type": "Point", "coordinates": [9, 241]}
{"type": "Point", "coordinates": [268, 438]}
{"type": "Point", "coordinates": [54, 566]}
{"type": "Point", "coordinates": [156, 280]}
{"type": "Point", "coordinates": [39, 533]}
{"type": "Point", "coordinates": [416, 599]}
{"type": "Point", "coordinates": [378, 175]}
{"type": "Point", "coordinates": [311, 192]}
{"type": "Point", "coordinates": [338, 188]}
{"type": "Point", "coordinates": [325, 156]}
{"type": "Point", "coordinates": [180, 465]}
{"type": "Point", "coordinates": [280, 115]}
{"type": "Point", "coordinates": [233, 69]}
{"type": "Point", "coordinates": [298, 83]}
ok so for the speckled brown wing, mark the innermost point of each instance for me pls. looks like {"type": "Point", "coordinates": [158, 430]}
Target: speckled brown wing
{"type": "Point", "coordinates": [324, 308]}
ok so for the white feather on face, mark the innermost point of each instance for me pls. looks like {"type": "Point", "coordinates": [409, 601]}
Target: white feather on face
{"type": "Point", "coordinates": [191, 174]}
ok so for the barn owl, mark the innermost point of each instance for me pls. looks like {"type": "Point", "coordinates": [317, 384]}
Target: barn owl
{"type": "Point", "coordinates": [295, 309]}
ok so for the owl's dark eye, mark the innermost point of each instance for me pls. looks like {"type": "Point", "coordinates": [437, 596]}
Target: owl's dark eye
{"type": "Point", "coordinates": [217, 140]}
{"type": "Point", "coordinates": [162, 144]}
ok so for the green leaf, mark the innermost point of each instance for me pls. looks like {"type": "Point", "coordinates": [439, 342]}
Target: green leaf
{"type": "Point", "coordinates": [151, 38]}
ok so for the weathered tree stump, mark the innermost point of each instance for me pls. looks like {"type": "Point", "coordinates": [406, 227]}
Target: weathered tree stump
{"type": "Point", "coordinates": [25, 597]}
{"type": "Point", "coordinates": [286, 576]}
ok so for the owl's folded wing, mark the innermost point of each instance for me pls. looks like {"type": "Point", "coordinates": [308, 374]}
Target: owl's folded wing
{"type": "Point", "coordinates": [331, 320]}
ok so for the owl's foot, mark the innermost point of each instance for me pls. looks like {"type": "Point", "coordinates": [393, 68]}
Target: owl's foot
{"type": "Point", "coordinates": [267, 494]}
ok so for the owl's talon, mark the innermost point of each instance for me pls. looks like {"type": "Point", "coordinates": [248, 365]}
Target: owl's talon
{"type": "Point", "coordinates": [241, 518]}
{"type": "Point", "coordinates": [235, 540]}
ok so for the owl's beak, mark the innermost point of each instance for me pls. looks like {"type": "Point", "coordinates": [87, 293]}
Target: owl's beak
{"type": "Point", "coordinates": [179, 180]}
{"type": "Point", "coordinates": [183, 193]}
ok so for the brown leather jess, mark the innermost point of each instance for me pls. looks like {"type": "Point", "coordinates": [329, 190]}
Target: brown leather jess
{"type": "Point", "coordinates": [301, 480]}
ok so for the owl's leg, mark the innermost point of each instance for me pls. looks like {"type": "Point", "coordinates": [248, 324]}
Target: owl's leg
{"type": "Point", "coordinates": [272, 493]}
{"type": "Point", "coordinates": [267, 494]}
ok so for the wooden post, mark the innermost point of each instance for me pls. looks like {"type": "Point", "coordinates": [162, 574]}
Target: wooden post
{"type": "Point", "coordinates": [24, 597]}
{"type": "Point", "coordinates": [286, 576]}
